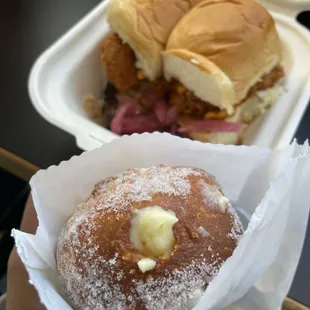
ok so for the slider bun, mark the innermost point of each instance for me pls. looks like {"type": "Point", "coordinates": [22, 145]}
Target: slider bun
{"type": "Point", "coordinates": [228, 138]}
{"type": "Point", "coordinates": [200, 76]}
{"type": "Point", "coordinates": [98, 262]}
{"type": "Point", "coordinates": [246, 113]}
{"type": "Point", "coordinates": [238, 36]}
{"type": "Point", "coordinates": [145, 25]}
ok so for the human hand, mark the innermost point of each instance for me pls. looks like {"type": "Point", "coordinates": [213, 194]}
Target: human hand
{"type": "Point", "coordinates": [21, 295]}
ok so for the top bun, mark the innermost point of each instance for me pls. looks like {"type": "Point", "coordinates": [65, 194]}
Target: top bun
{"type": "Point", "coordinates": [237, 36]}
{"type": "Point", "coordinates": [145, 25]}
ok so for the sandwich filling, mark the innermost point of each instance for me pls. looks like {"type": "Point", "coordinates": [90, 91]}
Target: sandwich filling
{"type": "Point", "coordinates": [136, 105]}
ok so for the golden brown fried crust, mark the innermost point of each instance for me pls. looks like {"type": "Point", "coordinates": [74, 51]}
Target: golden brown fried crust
{"type": "Point", "coordinates": [119, 61]}
{"type": "Point", "coordinates": [110, 231]}
{"type": "Point", "coordinates": [188, 104]}
{"type": "Point", "coordinates": [267, 81]}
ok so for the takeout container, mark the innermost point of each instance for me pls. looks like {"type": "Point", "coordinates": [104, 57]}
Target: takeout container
{"type": "Point", "coordinates": [70, 69]}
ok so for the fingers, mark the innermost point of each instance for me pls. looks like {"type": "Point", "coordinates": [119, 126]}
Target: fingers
{"type": "Point", "coordinates": [29, 222]}
{"type": "Point", "coordinates": [20, 294]}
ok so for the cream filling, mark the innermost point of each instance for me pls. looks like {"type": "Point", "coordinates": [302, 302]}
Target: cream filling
{"type": "Point", "coordinates": [151, 231]}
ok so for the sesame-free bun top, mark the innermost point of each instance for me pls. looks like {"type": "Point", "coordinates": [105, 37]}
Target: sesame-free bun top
{"type": "Point", "coordinates": [145, 25]}
{"type": "Point", "coordinates": [200, 75]}
{"type": "Point", "coordinates": [238, 36]}
{"type": "Point", "coordinates": [99, 262]}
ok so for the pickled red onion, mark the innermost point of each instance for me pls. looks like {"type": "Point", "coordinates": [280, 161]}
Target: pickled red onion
{"type": "Point", "coordinates": [128, 106]}
{"type": "Point", "coordinates": [132, 103]}
{"type": "Point", "coordinates": [165, 114]}
{"type": "Point", "coordinates": [161, 110]}
{"type": "Point", "coordinates": [211, 125]}
{"type": "Point", "coordinates": [140, 124]}
{"type": "Point", "coordinates": [173, 128]}
{"type": "Point", "coordinates": [127, 119]}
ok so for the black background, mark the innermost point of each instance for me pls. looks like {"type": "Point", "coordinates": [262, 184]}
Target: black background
{"type": "Point", "coordinates": [27, 28]}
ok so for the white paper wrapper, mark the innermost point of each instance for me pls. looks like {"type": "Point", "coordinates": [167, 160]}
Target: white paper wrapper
{"type": "Point", "coordinates": [268, 187]}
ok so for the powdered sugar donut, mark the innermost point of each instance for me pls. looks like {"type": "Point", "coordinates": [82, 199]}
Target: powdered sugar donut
{"type": "Point", "coordinates": [150, 238]}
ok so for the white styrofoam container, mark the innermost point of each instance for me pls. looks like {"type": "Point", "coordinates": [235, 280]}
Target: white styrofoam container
{"type": "Point", "coordinates": [70, 69]}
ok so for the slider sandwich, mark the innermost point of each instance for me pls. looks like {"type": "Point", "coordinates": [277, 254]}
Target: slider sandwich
{"type": "Point", "coordinates": [205, 70]}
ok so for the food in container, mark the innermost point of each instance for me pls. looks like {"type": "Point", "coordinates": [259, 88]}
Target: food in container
{"type": "Point", "coordinates": [57, 94]}
{"type": "Point", "coordinates": [206, 74]}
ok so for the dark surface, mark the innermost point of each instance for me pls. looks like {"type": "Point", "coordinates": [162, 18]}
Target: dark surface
{"type": "Point", "coordinates": [13, 196]}
{"type": "Point", "coordinates": [27, 28]}
{"type": "Point", "coordinates": [300, 289]}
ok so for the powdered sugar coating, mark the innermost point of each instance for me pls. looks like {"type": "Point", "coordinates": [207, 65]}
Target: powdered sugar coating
{"type": "Point", "coordinates": [212, 197]}
{"type": "Point", "coordinates": [204, 233]}
{"type": "Point", "coordinates": [237, 229]}
{"type": "Point", "coordinates": [131, 186]}
{"type": "Point", "coordinates": [210, 193]}
{"type": "Point", "coordinates": [185, 285]}
{"type": "Point", "coordinates": [100, 273]}
{"type": "Point", "coordinates": [85, 281]}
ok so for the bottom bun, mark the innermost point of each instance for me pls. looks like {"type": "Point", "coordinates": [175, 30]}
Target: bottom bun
{"type": "Point", "coordinates": [245, 113]}
{"type": "Point", "coordinates": [227, 138]}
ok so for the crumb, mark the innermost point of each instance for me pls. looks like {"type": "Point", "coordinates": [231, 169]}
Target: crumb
{"type": "Point", "coordinates": [93, 108]}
